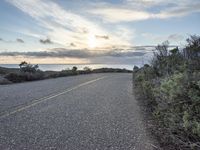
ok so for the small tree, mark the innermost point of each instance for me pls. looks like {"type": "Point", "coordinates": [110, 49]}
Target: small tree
{"type": "Point", "coordinates": [25, 67]}
{"type": "Point", "coordinates": [192, 52]}
{"type": "Point", "coordinates": [159, 62]}
{"type": "Point", "coordinates": [174, 51]}
{"type": "Point", "coordinates": [74, 68]}
{"type": "Point", "coordinates": [22, 64]}
{"type": "Point", "coordinates": [135, 68]}
{"type": "Point", "coordinates": [193, 47]}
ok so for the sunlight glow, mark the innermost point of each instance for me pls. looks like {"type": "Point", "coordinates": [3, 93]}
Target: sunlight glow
{"type": "Point", "coordinates": [92, 41]}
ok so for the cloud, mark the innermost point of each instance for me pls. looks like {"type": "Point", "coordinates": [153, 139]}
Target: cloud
{"type": "Point", "coordinates": [12, 41]}
{"type": "Point", "coordinates": [115, 15]}
{"type": "Point", "coordinates": [160, 4]}
{"type": "Point", "coordinates": [138, 10]}
{"type": "Point", "coordinates": [106, 37]}
{"type": "Point", "coordinates": [68, 53]}
{"type": "Point", "coordinates": [63, 25]}
{"type": "Point", "coordinates": [72, 45]}
{"type": "Point", "coordinates": [46, 41]}
{"type": "Point", "coordinates": [20, 40]}
{"type": "Point", "coordinates": [175, 37]}
{"type": "Point", "coordinates": [152, 3]}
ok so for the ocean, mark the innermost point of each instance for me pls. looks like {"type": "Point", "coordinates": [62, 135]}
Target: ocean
{"type": "Point", "coordinates": [59, 67]}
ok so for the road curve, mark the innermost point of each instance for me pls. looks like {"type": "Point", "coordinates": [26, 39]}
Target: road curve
{"type": "Point", "coordinates": [86, 112]}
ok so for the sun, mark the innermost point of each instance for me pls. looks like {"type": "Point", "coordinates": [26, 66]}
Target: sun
{"type": "Point", "coordinates": [92, 41]}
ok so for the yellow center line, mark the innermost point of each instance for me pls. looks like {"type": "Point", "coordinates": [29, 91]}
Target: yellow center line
{"type": "Point", "coordinates": [38, 101]}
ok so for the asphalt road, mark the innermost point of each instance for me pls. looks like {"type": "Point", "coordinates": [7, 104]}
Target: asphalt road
{"type": "Point", "coordinates": [86, 112]}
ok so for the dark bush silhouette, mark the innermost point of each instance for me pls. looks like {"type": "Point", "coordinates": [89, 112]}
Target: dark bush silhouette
{"type": "Point", "coordinates": [27, 72]}
{"type": "Point", "coordinates": [25, 67]}
{"type": "Point", "coordinates": [74, 69]}
{"type": "Point", "coordinates": [26, 76]}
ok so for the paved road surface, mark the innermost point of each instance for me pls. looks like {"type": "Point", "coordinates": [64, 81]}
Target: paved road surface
{"type": "Point", "coordinates": [86, 112]}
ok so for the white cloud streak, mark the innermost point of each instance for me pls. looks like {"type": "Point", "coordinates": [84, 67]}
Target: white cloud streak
{"type": "Point", "coordinates": [136, 10]}
{"type": "Point", "coordinates": [114, 15]}
{"type": "Point", "coordinates": [63, 26]}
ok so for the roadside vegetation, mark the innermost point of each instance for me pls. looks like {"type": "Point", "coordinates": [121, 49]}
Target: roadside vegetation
{"type": "Point", "coordinates": [29, 72]}
{"type": "Point", "coordinates": [26, 72]}
{"type": "Point", "coordinates": [170, 89]}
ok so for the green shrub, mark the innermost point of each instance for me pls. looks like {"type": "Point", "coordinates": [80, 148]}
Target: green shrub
{"type": "Point", "coordinates": [21, 77]}
{"type": "Point", "coordinates": [171, 85]}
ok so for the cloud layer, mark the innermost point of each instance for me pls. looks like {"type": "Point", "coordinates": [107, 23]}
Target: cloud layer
{"type": "Point", "coordinates": [68, 53]}
{"type": "Point", "coordinates": [137, 10]}
{"type": "Point", "coordinates": [46, 41]}
{"type": "Point", "coordinates": [111, 28]}
{"type": "Point", "coordinates": [63, 26]}
{"type": "Point", "coordinates": [20, 40]}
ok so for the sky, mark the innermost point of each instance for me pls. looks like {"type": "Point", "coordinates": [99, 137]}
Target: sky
{"type": "Point", "coordinates": [92, 31]}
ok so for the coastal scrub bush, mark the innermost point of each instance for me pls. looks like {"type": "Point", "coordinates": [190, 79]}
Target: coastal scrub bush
{"type": "Point", "coordinates": [26, 76]}
{"type": "Point", "coordinates": [135, 68]}
{"type": "Point", "coordinates": [25, 67]}
{"type": "Point", "coordinates": [171, 88]}
{"type": "Point", "coordinates": [179, 102]}
{"type": "Point", "coordinates": [27, 72]}
{"type": "Point", "coordinates": [74, 69]}
{"type": "Point", "coordinates": [87, 70]}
